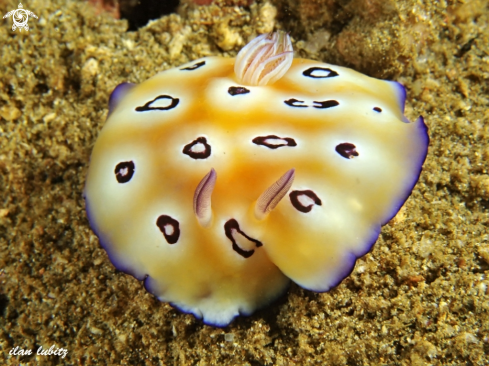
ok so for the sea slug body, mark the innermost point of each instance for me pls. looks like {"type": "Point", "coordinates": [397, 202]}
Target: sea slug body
{"type": "Point", "coordinates": [220, 181]}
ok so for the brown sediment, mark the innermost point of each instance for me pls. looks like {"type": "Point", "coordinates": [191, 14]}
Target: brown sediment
{"type": "Point", "coordinates": [420, 297]}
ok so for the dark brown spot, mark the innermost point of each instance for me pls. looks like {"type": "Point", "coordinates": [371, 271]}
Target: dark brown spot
{"type": "Point", "coordinates": [347, 150]}
{"type": "Point", "coordinates": [377, 109]}
{"type": "Point", "coordinates": [295, 199]}
{"type": "Point", "coordinates": [295, 103]}
{"type": "Point", "coordinates": [274, 142]}
{"type": "Point", "coordinates": [124, 171]}
{"type": "Point", "coordinates": [319, 73]}
{"type": "Point", "coordinates": [326, 104]}
{"type": "Point", "coordinates": [232, 226]}
{"type": "Point", "coordinates": [235, 90]}
{"type": "Point", "coordinates": [465, 48]}
{"type": "Point", "coordinates": [169, 227]}
{"type": "Point", "coordinates": [172, 103]}
{"type": "Point", "coordinates": [194, 66]}
{"type": "Point", "coordinates": [198, 149]}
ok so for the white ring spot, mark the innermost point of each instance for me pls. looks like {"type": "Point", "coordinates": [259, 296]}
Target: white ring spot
{"type": "Point", "coordinates": [305, 200]}
{"type": "Point", "coordinates": [169, 229]}
{"type": "Point", "coordinates": [198, 148]}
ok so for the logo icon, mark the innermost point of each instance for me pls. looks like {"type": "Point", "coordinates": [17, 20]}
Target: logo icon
{"type": "Point", "coordinates": [20, 17]}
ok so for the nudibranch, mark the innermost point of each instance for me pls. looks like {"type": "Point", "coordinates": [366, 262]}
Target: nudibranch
{"type": "Point", "coordinates": [219, 181]}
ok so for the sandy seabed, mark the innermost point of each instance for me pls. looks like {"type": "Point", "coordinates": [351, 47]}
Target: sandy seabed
{"type": "Point", "coordinates": [420, 297]}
